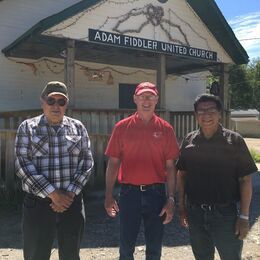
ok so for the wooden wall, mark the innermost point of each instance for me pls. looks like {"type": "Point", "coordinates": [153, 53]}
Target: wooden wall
{"type": "Point", "coordinates": [99, 124]}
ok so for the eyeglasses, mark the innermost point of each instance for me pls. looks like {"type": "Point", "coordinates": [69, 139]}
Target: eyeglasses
{"type": "Point", "coordinates": [150, 98]}
{"type": "Point", "coordinates": [209, 111]}
{"type": "Point", "coordinates": [52, 101]}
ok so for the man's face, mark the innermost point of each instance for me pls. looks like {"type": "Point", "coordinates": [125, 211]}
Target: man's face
{"type": "Point", "coordinates": [54, 108]}
{"type": "Point", "coordinates": [208, 116]}
{"type": "Point", "coordinates": [146, 102]}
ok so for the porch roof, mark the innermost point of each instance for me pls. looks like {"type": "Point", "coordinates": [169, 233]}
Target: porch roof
{"type": "Point", "coordinates": [33, 45]}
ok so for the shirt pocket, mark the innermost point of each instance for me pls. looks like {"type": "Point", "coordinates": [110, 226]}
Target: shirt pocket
{"type": "Point", "coordinates": [73, 144]}
{"type": "Point", "coordinates": [40, 146]}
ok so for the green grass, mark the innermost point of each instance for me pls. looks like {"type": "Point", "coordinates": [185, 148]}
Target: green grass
{"type": "Point", "coordinates": [255, 155]}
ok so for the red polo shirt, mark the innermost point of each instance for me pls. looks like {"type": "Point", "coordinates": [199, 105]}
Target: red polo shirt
{"type": "Point", "coordinates": [143, 149]}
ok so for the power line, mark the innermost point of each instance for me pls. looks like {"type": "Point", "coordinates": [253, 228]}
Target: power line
{"type": "Point", "coordinates": [249, 39]}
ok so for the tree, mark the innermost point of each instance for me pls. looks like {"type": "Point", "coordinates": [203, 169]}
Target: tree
{"type": "Point", "coordinates": [244, 83]}
{"type": "Point", "coordinates": [254, 76]}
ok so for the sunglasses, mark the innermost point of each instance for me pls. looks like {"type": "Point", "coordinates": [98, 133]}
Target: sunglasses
{"type": "Point", "coordinates": [52, 101]}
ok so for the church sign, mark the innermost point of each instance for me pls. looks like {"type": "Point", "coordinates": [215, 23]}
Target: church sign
{"type": "Point", "coordinates": [149, 45]}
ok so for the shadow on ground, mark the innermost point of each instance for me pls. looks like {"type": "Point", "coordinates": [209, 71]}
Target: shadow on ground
{"type": "Point", "coordinates": [103, 231]}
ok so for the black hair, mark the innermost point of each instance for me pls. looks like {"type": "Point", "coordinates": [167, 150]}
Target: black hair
{"type": "Point", "coordinates": [205, 98]}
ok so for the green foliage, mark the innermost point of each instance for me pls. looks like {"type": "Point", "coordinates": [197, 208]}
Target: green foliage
{"type": "Point", "coordinates": [255, 155]}
{"type": "Point", "coordinates": [244, 83]}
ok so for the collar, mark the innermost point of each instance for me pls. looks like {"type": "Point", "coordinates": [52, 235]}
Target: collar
{"type": "Point", "coordinates": [43, 121]}
{"type": "Point", "coordinates": [218, 134]}
{"type": "Point", "coordinates": [138, 118]}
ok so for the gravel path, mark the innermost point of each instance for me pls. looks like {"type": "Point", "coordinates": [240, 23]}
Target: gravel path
{"type": "Point", "coordinates": [101, 236]}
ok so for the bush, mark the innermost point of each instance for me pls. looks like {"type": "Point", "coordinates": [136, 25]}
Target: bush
{"type": "Point", "coordinates": [255, 155]}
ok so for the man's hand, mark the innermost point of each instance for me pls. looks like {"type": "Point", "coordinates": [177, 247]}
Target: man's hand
{"type": "Point", "coordinates": [70, 194]}
{"type": "Point", "coordinates": [242, 228]}
{"type": "Point", "coordinates": [56, 208]}
{"type": "Point", "coordinates": [168, 209]}
{"type": "Point", "coordinates": [111, 207]}
{"type": "Point", "coordinates": [183, 216]}
{"type": "Point", "coordinates": [61, 200]}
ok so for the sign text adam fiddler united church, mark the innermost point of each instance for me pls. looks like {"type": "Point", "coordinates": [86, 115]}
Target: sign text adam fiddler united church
{"type": "Point", "coordinates": [149, 45]}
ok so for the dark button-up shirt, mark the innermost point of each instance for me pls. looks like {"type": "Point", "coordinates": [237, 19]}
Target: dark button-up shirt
{"type": "Point", "coordinates": [214, 166]}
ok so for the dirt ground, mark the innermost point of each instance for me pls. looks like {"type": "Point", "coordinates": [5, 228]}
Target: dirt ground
{"type": "Point", "coordinates": [101, 235]}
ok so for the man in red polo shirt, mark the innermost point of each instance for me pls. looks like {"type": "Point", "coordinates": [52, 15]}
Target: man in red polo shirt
{"type": "Point", "coordinates": [141, 151]}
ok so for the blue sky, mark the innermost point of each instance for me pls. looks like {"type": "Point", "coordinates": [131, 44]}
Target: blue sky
{"type": "Point", "coordinates": [244, 18]}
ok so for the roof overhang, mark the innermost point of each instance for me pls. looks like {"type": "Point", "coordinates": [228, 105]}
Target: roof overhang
{"type": "Point", "coordinates": [219, 27]}
{"type": "Point", "coordinates": [39, 46]}
{"type": "Point", "coordinates": [34, 45]}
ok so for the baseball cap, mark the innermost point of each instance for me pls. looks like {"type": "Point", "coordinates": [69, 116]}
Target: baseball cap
{"type": "Point", "coordinates": [55, 88]}
{"type": "Point", "coordinates": [146, 87]}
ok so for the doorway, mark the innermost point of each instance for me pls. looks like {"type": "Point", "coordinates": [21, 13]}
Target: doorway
{"type": "Point", "coordinates": [126, 92]}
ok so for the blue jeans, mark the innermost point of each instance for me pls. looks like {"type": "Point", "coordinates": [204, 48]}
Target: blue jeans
{"type": "Point", "coordinates": [136, 205]}
{"type": "Point", "coordinates": [214, 228]}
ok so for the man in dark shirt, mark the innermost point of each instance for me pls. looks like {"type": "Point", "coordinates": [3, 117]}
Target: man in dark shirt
{"type": "Point", "coordinates": [214, 175]}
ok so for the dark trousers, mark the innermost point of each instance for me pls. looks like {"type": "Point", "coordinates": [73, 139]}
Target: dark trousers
{"type": "Point", "coordinates": [41, 224]}
{"type": "Point", "coordinates": [214, 227]}
{"type": "Point", "coordinates": [137, 206]}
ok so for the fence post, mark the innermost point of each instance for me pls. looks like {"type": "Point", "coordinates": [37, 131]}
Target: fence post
{"type": "Point", "coordinates": [9, 165]}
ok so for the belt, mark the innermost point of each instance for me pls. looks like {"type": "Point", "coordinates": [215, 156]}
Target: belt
{"type": "Point", "coordinates": [144, 187]}
{"type": "Point", "coordinates": [209, 207]}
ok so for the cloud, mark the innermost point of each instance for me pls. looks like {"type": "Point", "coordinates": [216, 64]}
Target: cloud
{"type": "Point", "coordinates": [247, 30]}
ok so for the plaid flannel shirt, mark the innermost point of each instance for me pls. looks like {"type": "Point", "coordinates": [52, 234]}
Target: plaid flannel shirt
{"type": "Point", "coordinates": [47, 159]}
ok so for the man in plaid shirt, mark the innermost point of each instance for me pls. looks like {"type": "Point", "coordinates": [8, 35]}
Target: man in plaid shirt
{"type": "Point", "coordinates": [54, 161]}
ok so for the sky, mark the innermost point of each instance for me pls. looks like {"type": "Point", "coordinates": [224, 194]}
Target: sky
{"type": "Point", "coordinates": [244, 18]}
